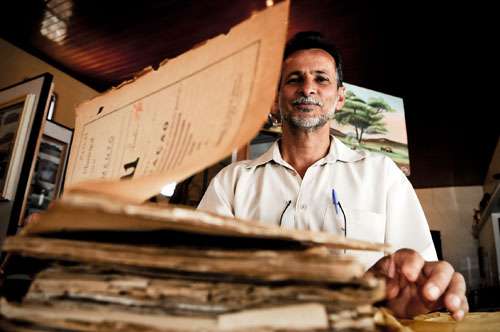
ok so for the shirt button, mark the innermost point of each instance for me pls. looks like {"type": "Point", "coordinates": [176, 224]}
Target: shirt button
{"type": "Point", "coordinates": [303, 206]}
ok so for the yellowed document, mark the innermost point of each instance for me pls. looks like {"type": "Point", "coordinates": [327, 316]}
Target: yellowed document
{"type": "Point", "coordinates": [190, 113]}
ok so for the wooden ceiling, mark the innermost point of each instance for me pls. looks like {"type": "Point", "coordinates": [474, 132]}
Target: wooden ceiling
{"type": "Point", "coordinates": [429, 54]}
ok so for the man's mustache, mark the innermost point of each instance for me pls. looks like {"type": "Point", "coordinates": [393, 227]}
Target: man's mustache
{"type": "Point", "coordinates": [307, 101]}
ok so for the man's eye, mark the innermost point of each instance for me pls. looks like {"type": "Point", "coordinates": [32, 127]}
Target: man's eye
{"type": "Point", "coordinates": [323, 79]}
{"type": "Point", "coordinates": [293, 80]}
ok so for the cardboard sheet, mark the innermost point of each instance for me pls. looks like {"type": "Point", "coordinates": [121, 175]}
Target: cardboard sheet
{"type": "Point", "coordinates": [190, 113]}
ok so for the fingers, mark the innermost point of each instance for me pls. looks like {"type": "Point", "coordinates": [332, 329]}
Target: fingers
{"type": "Point", "coordinates": [409, 263]}
{"type": "Point", "coordinates": [439, 275]}
{"type": "Point", "coordinates": [433, 284]}
{"type": "Point", "coordinates": [444, 282]}
{"type": "Point", "coordinates": [398, 269]}
{"type": "Point", "coordinates": [392, 289]}
{"type": "Point", "coordinates": [455, 299]}
{"type": "Point", "coordinates": [384, 267]}
{"type": "Point", "coordinates": [399, 304]}
{"type": "Point", "coordinates": [404, 261]}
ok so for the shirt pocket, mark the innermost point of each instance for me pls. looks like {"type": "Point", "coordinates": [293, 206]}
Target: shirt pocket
{"type": "Point", "coordinates": [366, 226]}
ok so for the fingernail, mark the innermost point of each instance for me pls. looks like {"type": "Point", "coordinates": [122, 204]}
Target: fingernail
{"type": "Point", "coordinates": [433, 292]}
{"type": "Point", "coordinates": [459, 315]}
{"type": "Point", "coordinates": [455, 301]}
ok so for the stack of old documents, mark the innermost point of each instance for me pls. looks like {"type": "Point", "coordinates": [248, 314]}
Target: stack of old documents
{"type": "Point", "coordinates": [125, 267]}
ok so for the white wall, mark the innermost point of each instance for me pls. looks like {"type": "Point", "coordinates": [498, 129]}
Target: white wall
{"type": "Point", "coordinates": [450, 210]}
{"type": "Point", "coordinates": [17, 65]}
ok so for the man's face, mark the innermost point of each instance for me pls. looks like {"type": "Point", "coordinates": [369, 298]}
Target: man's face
{"type": "Point", "coordinates": [308, 95]}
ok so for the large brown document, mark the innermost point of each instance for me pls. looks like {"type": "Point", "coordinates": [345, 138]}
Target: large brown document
{"type": "Point", "coordinates": [190, 113]}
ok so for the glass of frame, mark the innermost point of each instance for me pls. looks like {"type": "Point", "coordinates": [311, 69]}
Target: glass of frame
{"type": "Point", "coordinates": [16, 117]}
{"type": "Point", "coordinates": [48, 178]}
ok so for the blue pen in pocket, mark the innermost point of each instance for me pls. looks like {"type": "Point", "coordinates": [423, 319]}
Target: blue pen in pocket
{"type": "Point", "coordinates": [335, 201]}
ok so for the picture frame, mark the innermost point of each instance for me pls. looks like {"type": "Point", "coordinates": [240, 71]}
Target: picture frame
{"type": "Point", "coordinates": [24, 110]}
{"type": "Point", "coordinates": [16, 118]}
{"type": "Point", "coordinates": [47, 181]}
{"type": "Point", "coordinates": [373, 121]}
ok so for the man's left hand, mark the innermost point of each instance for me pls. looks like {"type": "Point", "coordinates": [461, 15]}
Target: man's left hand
{"type": "Point", "coordinates": [416, 287]}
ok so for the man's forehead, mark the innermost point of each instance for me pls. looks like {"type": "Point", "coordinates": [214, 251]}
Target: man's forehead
{"type": "Point", "coordinates": [313, 58]}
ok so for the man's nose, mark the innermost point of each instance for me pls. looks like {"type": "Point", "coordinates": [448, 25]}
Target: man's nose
{"type": "Point", "coordinates": [308, 88]}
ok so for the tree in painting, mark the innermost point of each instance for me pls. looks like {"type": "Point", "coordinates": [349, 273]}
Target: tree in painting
{"type": "Point", "coordinates": [365, 117]}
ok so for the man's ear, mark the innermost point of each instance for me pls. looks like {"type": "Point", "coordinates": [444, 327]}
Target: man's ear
{"type": "Point", "coordinates": [275, 109]}
{"type": "Point", "coordinates": [340, 98]}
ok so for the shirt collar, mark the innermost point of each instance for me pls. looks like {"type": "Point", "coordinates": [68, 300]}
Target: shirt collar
{"type": "Point", "coordinates": [273, 153]}
{"type": "Point", "coordinates": [338, 152]}
{"type": "Point", "coordinates": [341, 152]}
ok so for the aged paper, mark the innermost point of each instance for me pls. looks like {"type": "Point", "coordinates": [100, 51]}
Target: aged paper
{"type": "Point", "coordinates": [259, 264]}
{"type": "Point", "coordinates": [190, 113]}
{"type": "Point", "coordinates": [307, 317]}
{"type": "Point", "coordinates": [97, 317]}
{"type": "Point", "coordinates": [84, 212]}
{"type": "Point", "coordinates": [210, 297]}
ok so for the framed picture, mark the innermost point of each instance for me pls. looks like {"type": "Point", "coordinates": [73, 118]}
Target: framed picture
{"type": "Point", "coordinates": [16, 117]}
{"type": "Point", "coordinates": [23, 109]}
{"type": "Point", "coordinates": [48, 177]}
{"type": "Point", "coordinates": [373, 121]}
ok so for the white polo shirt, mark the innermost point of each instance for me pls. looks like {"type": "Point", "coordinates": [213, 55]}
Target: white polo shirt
{"type": "Point", "coordinates": [378, 201]}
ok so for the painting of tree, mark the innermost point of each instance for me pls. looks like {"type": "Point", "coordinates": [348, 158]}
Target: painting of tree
{"type": "Point", "coordinates": [364, 116]}
{"type": "Point", "coordinates": [373, 121]}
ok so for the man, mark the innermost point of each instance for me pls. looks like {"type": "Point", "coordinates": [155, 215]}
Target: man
{"type": "Point", "coordinates": [309, 180]}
